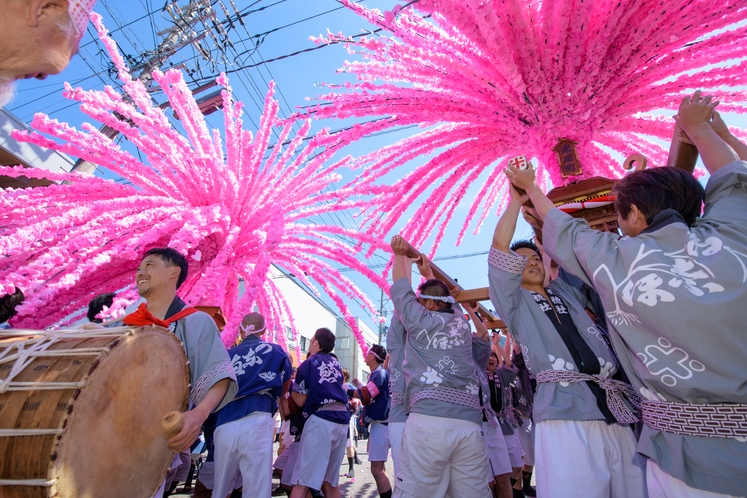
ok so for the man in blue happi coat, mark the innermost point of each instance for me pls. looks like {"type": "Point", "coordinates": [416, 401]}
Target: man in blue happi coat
{"type": "Point", "coordinates": [243, 434]}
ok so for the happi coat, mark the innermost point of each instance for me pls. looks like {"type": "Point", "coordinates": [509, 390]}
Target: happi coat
{"type": "Point", "coordinates": [377, 410]}
{"type": "Point", "coordinates": [395, 347]}
{"type": "Point", "coordinates": [676, 302]}
{"type": "Point", "coordinates": [501, 397]}
{"type": "Point", "coordinates": [441, 377]}
{"type": "Point", "coordinates": [320, 379]}
{"type": "Point", "coordinates": [206, 354]}
{"type": "Point", "coordinates": [541, 344]}
{"type": "Point", "coordinates": [261, 370]}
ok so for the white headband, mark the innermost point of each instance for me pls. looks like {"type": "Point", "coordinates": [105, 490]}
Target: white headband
{"type": "Point", "coordinates": [447, 299]}
{"type": "Point", "coordinates": [249, 329]}
{"type": "Point", "coordinates": [375, 355]}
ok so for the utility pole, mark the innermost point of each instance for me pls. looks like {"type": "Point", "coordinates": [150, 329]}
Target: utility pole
{"type": "Point", "coordinates": [383, 328]}
{"type": "Point", "coordinates": [181, 34]}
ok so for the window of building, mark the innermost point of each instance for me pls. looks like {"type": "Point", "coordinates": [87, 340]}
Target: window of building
{"type": "Point", "coordinates": [289, 333]}
{"type": "Point", "coordinates": [304, 344]}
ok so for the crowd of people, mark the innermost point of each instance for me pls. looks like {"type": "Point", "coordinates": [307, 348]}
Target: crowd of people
{"type": "Point", "coordinates": [603, 382]}
{"type": "Point", "coordinates": [620, 373]}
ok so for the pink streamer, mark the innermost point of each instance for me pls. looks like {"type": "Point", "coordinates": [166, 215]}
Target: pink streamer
{"type": "Point", "coordinates": [492, 79]}
{"type": "Point", "coordinates": [211, 197]}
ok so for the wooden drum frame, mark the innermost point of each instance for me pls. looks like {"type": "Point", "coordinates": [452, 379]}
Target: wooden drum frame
{"type": "Point", "coordinates": [81, 411]}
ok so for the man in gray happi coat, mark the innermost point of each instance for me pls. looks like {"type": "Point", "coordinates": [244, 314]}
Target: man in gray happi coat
{"type": "Point", "coordinates": [395, 346]}
{"type": "Point", "coordinates": [212, 379]}
{"type": "Point", "coordinates": [581, 445]}
{"type": "Point", "coordinates": [443, 451]}
{"type": "Point", "coordinates": [674, 287]}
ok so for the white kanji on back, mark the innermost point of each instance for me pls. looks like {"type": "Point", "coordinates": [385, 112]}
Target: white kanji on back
{"type": "Point", "coordinates": [251, 358]}
{"type": "Point", "coordinates": [327, 373]}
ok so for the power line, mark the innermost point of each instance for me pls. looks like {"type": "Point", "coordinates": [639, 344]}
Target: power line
{"type": "Point", "coordinates": [203, 79]}
{"type": "Point", "coordinates": [440, 258]}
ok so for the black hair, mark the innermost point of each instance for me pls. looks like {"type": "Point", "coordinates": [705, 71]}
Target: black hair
{"type": "Point", "coordinates": [8, 304]}
{"type": "Point", "coordinates": [172, 257]}
{"type": "Point", "coordinates": [379, 352]}
{"type": "Point", "coordinates": [97, 304]}
{"type": "Point", "coordinates": [435, 287]}
{"type": "Point", "coordinates": [656, 189]}
{"type": "Point", "coordinates": [326, 340]}
{"type": "Point", "coordinates": [526, 244]}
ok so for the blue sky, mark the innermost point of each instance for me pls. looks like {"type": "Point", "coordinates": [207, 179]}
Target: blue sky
{"type": "Point", "coordinates": [295, 76]}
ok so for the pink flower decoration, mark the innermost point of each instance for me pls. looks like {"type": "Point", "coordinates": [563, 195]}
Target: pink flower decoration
{"type": "Point", "coordinates": [219, 200]}
{"type": "Point", "coordinates": [493, 79]}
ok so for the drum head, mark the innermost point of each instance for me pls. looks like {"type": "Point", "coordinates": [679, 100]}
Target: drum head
{"type": "Point", "coordinates": [114, 445]}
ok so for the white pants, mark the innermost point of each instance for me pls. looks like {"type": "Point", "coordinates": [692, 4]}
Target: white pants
{"type": "Point", "coordinates": [526, 437]}
{"type": "Point", "coordinates": [587, 458]}
{"type": "Point", "coordinates": [290, 465]}
{"type": "Point", "coordinates": [351, 433]}
{"type": "Point", "coordinates": [495, 444]}
{"type": "Point", "coordinates": [395, 441]}
{"type": "Point", "coordinates": [282, 461]}
{"type": "Point", "coordinates": [515, 451]}
{"type": "Point", "coordinates": [320, 452]}
{"type": "Point", "coordinates": [245, 445]}
{"type": "Point", "coordinates": [662, 485]}
{"type": "Point", "coordinates": [378, 443]}
{"type": "Point", "coordinates": [442, 457]}
{"type": "Point", "coordinates": [207, 477]}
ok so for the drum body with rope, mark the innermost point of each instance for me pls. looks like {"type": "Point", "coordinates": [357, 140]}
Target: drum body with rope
{"type": "Point", "coordinates": [81, 411]}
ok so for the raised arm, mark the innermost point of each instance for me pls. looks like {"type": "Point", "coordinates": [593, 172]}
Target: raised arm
{"type": "Point", "coordinates": [719, 126]}
{"type": "Point", "coordinates": [504, 230]}
{"type": "Point", "coordinates": [400, 269]}
{"type": "Point", "coordinates": [424, 267]}
{"type": "Point", "coordinates": [694, 117]}
{"type": "Point", "coordinates": [525, 179]}
{"type": "Point", "coordinates": [378, 382]}
{"type": "Point", "coordinates": [482, 330]}
{"type": "Point", "coordinates": [507, 345]}
{"type": "Point", "coordinates": [500, 352]}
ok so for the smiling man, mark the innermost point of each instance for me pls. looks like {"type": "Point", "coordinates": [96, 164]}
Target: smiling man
{"type": "Point", "coordinates": [39, 38]}
{"type": "Point", "coordinates": [581, 447]}
{"type": "Point", "coordinates": [213, 381]}
{"type": "Point", "coordinates": [674, 275]}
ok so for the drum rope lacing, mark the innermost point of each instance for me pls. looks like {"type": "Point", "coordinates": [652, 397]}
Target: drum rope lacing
{"type": "Point", "coordinates": [23, 357]}
{"type": "Point", "coordinates": [25, 353]}
{"type": "Point", "coordinates": [38, 348]}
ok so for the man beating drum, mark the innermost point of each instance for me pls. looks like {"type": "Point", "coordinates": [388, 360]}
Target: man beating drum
{"type": "Point", "coordinates": [212, 378]}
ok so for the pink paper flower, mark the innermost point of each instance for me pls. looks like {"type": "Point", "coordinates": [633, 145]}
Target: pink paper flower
{"type": "Point", "coordinates": [492, 79]}
{"type": "Point", "coordinates": [221, 201]}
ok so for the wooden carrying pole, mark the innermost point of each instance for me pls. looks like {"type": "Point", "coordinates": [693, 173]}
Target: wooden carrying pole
{"type": "Point", "coordinates": [682, 153]}
{"type": "Point", "coordinates": [463, 296]}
